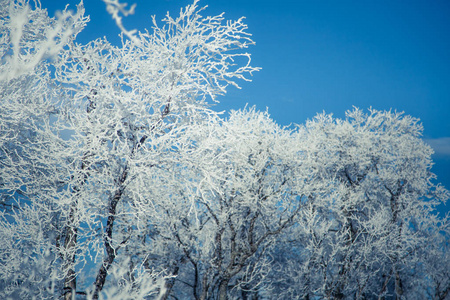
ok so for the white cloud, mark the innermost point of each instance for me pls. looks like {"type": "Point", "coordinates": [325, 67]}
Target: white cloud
{"type": "Point", "coordinates": [441, 146]}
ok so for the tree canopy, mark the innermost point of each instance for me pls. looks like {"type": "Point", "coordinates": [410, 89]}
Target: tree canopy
{"type": "Point", "coordinates": [118, 180]}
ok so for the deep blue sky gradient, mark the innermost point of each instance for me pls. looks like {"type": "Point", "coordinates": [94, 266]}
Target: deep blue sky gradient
{"type": "Point", "coordinates": [327, 56]}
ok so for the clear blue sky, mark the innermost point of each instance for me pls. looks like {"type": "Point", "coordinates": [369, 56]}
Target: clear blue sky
{"type": "Point", "coordinates": [328, 56]}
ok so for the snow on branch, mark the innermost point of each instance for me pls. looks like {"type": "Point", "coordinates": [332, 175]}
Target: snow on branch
{"type": "Point", "coordinates": [29, 36]}
{"type": "Point", "coordinates": [114, 7]}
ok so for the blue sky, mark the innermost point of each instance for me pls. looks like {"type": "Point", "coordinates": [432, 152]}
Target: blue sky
{"type": "Point", "coordinates": [320, 55]}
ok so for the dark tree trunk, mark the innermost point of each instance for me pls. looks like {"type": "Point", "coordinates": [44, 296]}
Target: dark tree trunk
{"type": "Point", "coordinates": [70, 242]}
{"type": "Point", "coordinates": [110, 251]}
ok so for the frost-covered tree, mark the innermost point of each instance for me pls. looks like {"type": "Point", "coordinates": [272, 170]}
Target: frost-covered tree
{"type": "Point", "coordinates": [371, 226]}
{"type": "Point", "coordinates": [118, 180]}
{"type": "Point", "coordinates": [225, 214]}
{"type": "Point", "coordinates": [77, 121]}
